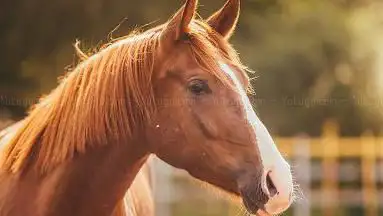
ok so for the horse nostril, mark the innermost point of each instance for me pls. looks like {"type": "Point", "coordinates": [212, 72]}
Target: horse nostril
{"type": "Point", "coordinates": [270, 186]}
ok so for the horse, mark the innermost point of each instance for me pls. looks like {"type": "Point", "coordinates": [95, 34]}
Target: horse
{"type": "Point", "coordinates": [138, 199]}
{"type": "Point", "coordinates": [178, 91]}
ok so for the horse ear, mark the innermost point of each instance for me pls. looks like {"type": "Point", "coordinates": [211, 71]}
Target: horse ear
{"type": "Point", "coordinates": [224, 20]}
{"type": "Point", "coordinates": [178, 25]}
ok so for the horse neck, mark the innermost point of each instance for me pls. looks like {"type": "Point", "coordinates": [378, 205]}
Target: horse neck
{"type": "Point", "coordinates": [98, 180]}
{"type": "Point", "coordinates": [109, 172]}
{"type": "Point", "coordinates": [92, 183]}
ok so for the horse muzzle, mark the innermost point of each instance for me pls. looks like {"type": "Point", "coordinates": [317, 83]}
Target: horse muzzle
{"type": "Point", "coordinates": [269, 193]}
{"type": "Point", "coordinates": [278, 185]}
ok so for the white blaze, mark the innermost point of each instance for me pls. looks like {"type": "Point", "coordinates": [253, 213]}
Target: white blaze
{"type": "Point", "coordinates": [272, 160]}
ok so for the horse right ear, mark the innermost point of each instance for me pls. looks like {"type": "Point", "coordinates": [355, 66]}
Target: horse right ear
{"type": "Point", "coordinates": [178, 25]}
{"type": "Point", "coordinates": [225, 20]}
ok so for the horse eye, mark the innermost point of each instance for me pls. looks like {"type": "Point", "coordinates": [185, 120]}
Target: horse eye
{"type": "Point", "coordinates": [199, 87]}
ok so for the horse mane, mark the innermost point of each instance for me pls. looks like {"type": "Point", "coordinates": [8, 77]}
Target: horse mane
{"type": "Point", "coordinates": [105, 98]}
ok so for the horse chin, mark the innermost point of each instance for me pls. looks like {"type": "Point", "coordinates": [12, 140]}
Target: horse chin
{"type": "Point", "coordinates": [254, 200]}
{"type": "Point", "coordinates": [238, 198]}
{"type": "Point", "coordinates": [251, 197]}
{"type": "Point", "coordinates": [250, 206]}
{"type": "Point", "coordinates": [255, 210]}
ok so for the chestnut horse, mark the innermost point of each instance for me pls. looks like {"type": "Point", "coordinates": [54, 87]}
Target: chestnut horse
{"type": "Point", "coordinates": [177, 91]}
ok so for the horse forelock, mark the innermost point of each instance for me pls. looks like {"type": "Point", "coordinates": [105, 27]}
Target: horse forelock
{"type": "Point", "coordinates": [105, 97]}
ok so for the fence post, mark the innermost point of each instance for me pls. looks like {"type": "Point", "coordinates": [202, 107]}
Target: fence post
{"type": "Point", "coordinates": [302, 165]}
{"type": "Point", "coordinates": [379, 168]}
{"type": "Point", "coordinates": [368, 165]}
{"type": "Point", "coordinates": [329, 187]}
{"type": "Point", "coordinates": [163, 188]}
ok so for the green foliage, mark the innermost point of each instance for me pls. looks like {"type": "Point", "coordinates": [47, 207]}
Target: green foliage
{"type": "Point", "coordinates": [311, 58]}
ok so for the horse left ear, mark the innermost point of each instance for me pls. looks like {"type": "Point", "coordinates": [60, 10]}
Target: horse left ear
{"type": "Point", "coordinates": [225, 20]}
{"type": "Point", "coordinates": [178, 25]}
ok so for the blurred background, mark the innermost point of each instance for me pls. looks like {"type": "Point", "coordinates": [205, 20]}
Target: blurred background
{"type": "Point", "coordinates": [319, 89]}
